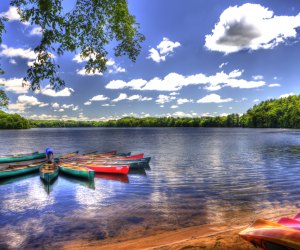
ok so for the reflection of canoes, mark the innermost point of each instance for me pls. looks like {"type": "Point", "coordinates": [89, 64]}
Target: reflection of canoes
{"type": "Point", "coordinates": [113, 177]}
{"type": "Point", "coordinates": [271, 235]}
{"type": "Point", "coordinates": [49, 172]}
{"type": "Point", "coordinates": [77, 171]}
{"type": "Point", "coordinates": [15, 170]}
{"type": "Point", "coordinates": [78, 181]}
{"type": "Point", "coordinates": [18, 178]}
{"type": "Point", "coordinates": [22, 157]}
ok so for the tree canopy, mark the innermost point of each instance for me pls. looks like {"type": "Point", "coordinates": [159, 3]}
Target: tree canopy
{"type": "Point", "coordinates": [88, 28]}
{"type": "Point", "coordinates": [13, 121]}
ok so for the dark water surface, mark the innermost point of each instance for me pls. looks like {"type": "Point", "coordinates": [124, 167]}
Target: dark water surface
{"type": "Point", "coordinates": [197, 176]}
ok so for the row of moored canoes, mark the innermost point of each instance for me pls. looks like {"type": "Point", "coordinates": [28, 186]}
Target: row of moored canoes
{"type": "Point", "coordinates": [74, 164]}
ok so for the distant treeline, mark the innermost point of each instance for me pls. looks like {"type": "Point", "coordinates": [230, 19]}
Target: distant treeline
{"type": "Point", "coordinates": [274, 113]}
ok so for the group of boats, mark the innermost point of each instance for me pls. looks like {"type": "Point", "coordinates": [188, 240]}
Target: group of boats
{"type": "Point", "coordinates": [281, 235]}
{"type": "Point", "coordinates": [73, 164]}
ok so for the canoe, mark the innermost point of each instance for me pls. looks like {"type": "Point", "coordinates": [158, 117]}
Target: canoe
{"type": "Point", "coordinates": [100, 167]}
{"type": "Point", "coordinates": [142, 160]}
{"type": "Point", "coordinates": [292, 223]}
{"type": "Point", "coordinates": [15, 170]}
{"type": "Point", "coordinates": [77, 171]}
{"type": "Point", "coordinates": [109, 169]}
{"type": "Point", "coordinates": [22, 157]}
{"type": "Point", "coordinates": [131, 164]}
{"type": "Point", "coordinates": [271, 235]}
{"type": "Point", "coordinates": [120, 159]}
{"type": "Point", "coordinates": [139, 156]}
{"type": "Point", "coordinates": [49, 172]}
{"type": "Point", "coordinates": [73, 154]}
{"type": "Point", "coordinates": [112, 153]}
{"type": "Point", "coordinates": [129, 157]}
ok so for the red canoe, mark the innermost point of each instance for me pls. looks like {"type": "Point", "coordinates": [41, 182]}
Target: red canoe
{"type": "Point", "coordinates": [111, 169]}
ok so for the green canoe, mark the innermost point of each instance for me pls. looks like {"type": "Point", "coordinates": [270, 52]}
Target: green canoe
{"type": "Point", "coordinates": [15, 170]}
{"type": "Point", "coordinates": [77, 171]}
{"type": "Point", "coordinates": [49, 172]}
{"type": "Point", "coordinates": [22, 157]}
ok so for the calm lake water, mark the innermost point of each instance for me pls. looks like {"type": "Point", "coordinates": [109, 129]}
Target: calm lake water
{"type": "Point", "coordinates": [197, 176]}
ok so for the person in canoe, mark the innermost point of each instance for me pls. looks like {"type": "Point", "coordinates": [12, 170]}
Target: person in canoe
{"type": "Point", "coordinates": [49, 155]}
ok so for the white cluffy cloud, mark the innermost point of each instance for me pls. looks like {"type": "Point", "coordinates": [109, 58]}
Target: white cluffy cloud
{"type": "Point", "coordinates": [24, 102]}
{"type": "Point", "coordinates": [286, 95]}
{"type": "Point", "coordinates": [258, 77]}
{"type": "Point", "coordinates": [272, 85]}
{"type": "Point", "coordinates": [162, 99]}
{"type": "Point", "coordinates": [12, 15]}
{"type": "Point", "coordinates": [181, 101]}
{"type": "Point", "coordinates": [14, 85]}
{"type": "Point", "coordinates": [223, 65]}
{"type": "Point", "coordinates": [174, 82]}
{"type": "Point", "coordinates": [99, 98]}
{"type": "Point", "coordinates": [70, 106]}
{"type": "Point", "coordinates": [61, 108]}
{"type": "Point", "coordinates": [12, 61]}
{"type": "Point", "coordinates": [213, 98]}
{"type": "Point", "coordinates": [27, 54]}
{"type": "Point", "coordinates": [55, 105]}
{"type": "Point", "coordinates": [50, 92]}
{"type": "Point", "coordinates": [11, 52]}
{"type": "Point", "coordinates": [164, 49]}
{"type": "Point", "coordinates": [36, 31]}
{"type": "Point", "coordinates": [250, 26]}
{"type": "Point", "coordinates": [124, 96]}
{"type": "Point", "coordinates": [96, 98]}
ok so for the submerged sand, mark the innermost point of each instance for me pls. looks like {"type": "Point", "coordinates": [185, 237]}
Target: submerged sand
{"type": "Point", "coordinates": [214, 236]}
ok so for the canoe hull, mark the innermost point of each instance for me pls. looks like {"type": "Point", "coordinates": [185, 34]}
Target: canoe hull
{"type": "Point", "coordinates": [269, 235]}
{"type": "Point", "coordinates": [12, 173]}
{"type": "Point", "coordinates": [22, 157]}
{"type": "Point", "coordinates": [117, 169]}
{"type": "Point", "coordinates": [89, 175]}
{"type": "Point", "coordinates": [49, 177]}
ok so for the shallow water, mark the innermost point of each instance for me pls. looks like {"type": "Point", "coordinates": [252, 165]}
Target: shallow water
{"type": "Point", "coordinates": [197, 176]}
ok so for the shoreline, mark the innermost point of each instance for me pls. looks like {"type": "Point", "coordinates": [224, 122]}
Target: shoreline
{"type": "Point", "coordinates": [217, 236]}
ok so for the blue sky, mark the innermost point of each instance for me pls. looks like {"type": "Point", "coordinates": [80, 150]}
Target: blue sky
{"type": "Point", "coordinates": [200, 58]}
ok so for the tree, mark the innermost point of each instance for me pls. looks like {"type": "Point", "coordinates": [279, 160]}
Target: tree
{"type": "Point", "coordinates": [89, 27]}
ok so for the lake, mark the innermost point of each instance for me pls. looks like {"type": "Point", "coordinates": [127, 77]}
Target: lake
{"type": "Point", "coordinates": [197, 176]}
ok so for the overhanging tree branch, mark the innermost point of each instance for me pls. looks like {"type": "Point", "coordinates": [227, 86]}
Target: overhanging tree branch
{"type": "Point", "coordinates": [89, 27]}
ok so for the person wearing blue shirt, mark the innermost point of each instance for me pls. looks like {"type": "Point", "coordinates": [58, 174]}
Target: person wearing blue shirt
{"type": "Point", "coordinates": [49, 154]}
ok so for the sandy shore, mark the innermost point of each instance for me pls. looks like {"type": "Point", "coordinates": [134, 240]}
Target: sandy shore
{"type": "Point", "coordinates": [214, 236]}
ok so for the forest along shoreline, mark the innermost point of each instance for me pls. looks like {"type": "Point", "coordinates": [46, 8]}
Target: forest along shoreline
{"type": "Point", "coordinates": [221, 236]}
{"type": "Point", "coordinates": [274, 113]}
